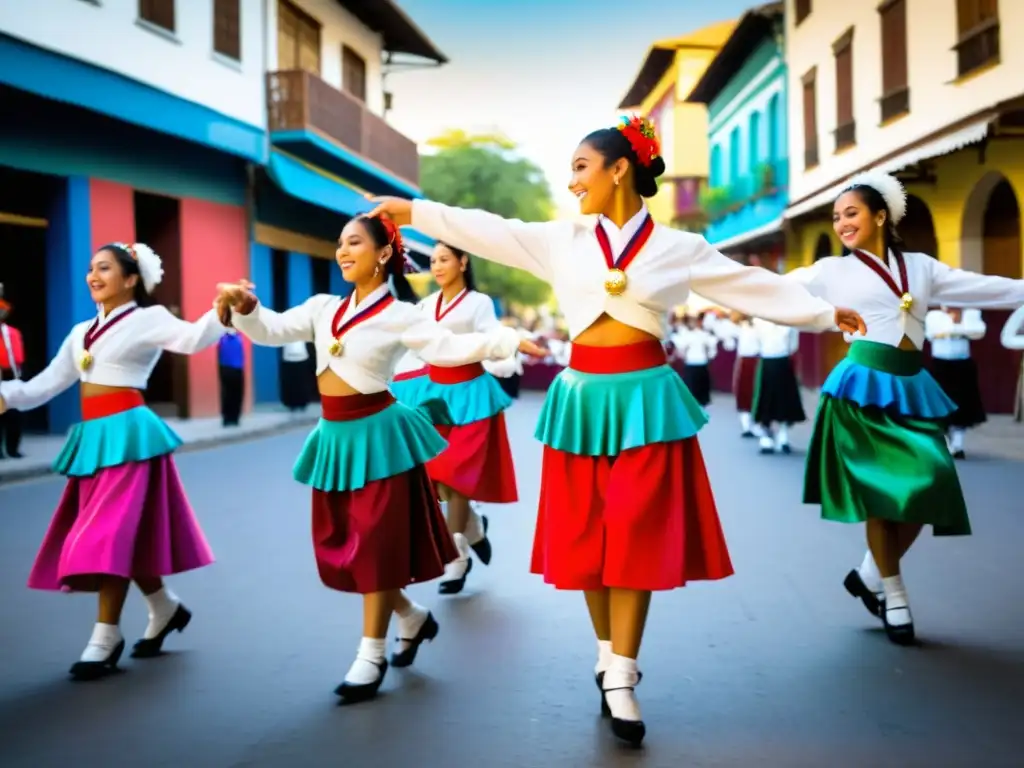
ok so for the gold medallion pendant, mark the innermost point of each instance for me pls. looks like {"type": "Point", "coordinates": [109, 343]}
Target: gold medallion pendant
{"type": "Point", "coordinates": [336, 348]}
{"type": "Point", "coordinates": [86, 361]}
{"type": "Point", "coordinates": [906, 302]}
{"type": "Point", "coordinates": [615, 282]}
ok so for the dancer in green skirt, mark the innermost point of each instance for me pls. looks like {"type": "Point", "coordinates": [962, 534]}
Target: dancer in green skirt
{"type": "Point", "coordinates": [878, 454]}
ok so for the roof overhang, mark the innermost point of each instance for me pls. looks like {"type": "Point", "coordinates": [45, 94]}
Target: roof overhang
{"type": "Point", "coordinates": [400, 33]}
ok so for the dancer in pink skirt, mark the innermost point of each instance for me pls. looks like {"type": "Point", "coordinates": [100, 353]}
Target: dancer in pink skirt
{"type": "Point", "coordinates": [124, 515]}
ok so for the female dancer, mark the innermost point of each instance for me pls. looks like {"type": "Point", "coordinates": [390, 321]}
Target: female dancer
{"type": "Point", "coordinates": [376, 524]}
{"type": "Point", "coordinates": [878, 454]}
{"type": "Point", "coordinates": [625, 504]}
{"type": "Point", "coordinates": [777, 399]}
{"type": "Point", "coordinates": [951, 331]}
{"type": "Point", "coordinates": [1012, 337]}
{"type": "Point", "coordinates": [696, 347]}
{"type": "Point", "coordinates": [740, 334]}
{"type": "Point", "coordinates": [124, 515]}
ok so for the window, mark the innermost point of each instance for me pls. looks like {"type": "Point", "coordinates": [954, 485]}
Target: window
{"type": "Point", "coordinates": [977, 24]}
{"type": "Point", "coordinates": [298, 39]}
{"type": "Point", "coordinates": [227, 29]}
{"type": "Point", "coordinates": [160, 13]}
{"type": "Point", "coordinates": [842, 49]}
{"type": "Point", "coordinates": [810, 120]}
{"type": "Point", "coordinates": [803, 10]}
{"type": "Point", "coordinates": [774, 115]}
{"type": "Point", "coordinates": [895, 87]}
{"type": "Point", "coordinates": [353, 73]}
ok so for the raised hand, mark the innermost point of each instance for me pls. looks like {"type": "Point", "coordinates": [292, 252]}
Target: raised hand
{"type": "Point", "coordinates": [850, 321]}
{"type": "Point", "coordinates": [398, 209]}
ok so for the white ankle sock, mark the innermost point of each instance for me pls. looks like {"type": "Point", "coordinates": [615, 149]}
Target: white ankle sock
{"type": "Point", "coordinates": [474, 526]}
{"type": "Point", "coordinates": [105, 638]}
{"type": "Point", "coordinates": [604, 656]}
{"type": "Point", "coordinates": [767, 442]}
{"type": "Point", "coordinates": [782, 435]}
{"type": "Point", "coordinates": [162, 605]}
{"type": "Point", "coordinates": [869, 573]}
{"type": "Point", "coordinates": [457, 568]}
{"type": "Point", "coordinates": [623, 675]}
{"type": "Point", "coordinates": [410, 621]}
{"type": "Point", "coordinates": [365, 669]}
{"type": "Point", "coordinates": [897, 605]}
{"type": "Point", "coordinates": [956, 439]}
{"type": "Point", "coordinates": [745, 422]}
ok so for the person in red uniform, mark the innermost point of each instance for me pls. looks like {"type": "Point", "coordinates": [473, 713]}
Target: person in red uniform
{"type": "Point", "coordinates": [12, 358]}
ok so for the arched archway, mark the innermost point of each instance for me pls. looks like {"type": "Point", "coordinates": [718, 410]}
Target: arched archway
{"type": "Point", "coordinates": [823, 247]}
{"type": "Point", "coordinates": [918, 229]}
{"type": "Point", "coordinates": [991, 243]}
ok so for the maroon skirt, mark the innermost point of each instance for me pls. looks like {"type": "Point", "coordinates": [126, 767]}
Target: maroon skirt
{"type": "Point", "coordinates": [744, 380]}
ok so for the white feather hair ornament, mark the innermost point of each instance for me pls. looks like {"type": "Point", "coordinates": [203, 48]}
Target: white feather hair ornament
{"type": "Point", "coordinates": [151, 268]}
{"type": "Point", "coordinates": [888, 187]}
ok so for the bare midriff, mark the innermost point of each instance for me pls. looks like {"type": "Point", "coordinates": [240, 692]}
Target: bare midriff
{"type": "Point", "coordinates": [906, 343]}
{"type": "Point", "coordinates": [609, 332]}
{"type": "Point", "coordinates": [332, 385]}
{"type": "Point", "coordinates": [98, 390]}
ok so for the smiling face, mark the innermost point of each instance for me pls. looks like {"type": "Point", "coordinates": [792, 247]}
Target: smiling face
{"type": "Point", "coordinates": [592, 183]}
{"type": "Point", "coordinates": [107, 279]}
{"type": "Point", "coordinates": [446, 267]}
{"type": "Point", "coordinates": [853, 221]}
{"type": "Point", "coordinates": [358, 255]}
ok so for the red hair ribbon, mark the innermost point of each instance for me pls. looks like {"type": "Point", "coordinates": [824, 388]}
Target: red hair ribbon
{"type": "Point", "coordinates": [396, 263]}
{"type": "Point", "coordinates": [640, 133]}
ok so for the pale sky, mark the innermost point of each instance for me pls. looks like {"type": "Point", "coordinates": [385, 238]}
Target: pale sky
{"type": "Point", "coordinates": [544, 72]}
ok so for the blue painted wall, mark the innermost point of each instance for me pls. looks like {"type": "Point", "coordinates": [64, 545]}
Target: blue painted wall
{"type": "Point", "coordinates": [68, 250]}
{"type": "Point", "coordinates": [339, 287]}
{"type": "Point", "coordinates": [265, 360]}
{"type": "Point", "coordinates": [300, 278]}
{"type": "Point", "coordinates": [749, 139]}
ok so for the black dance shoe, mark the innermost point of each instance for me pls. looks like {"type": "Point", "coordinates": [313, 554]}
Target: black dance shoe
{"type": "Point", "coordinates": [901, 634]}
{"type": "Point", "coordinates": [630, 731]}
{"type": "Point", "coordinates": [455, 586]}
{"type": "Point", "coordinates": [747, 434]}
{"type": "Point", "coordinates": [482, 548]}
{"type": "Point", "coordinates": [855, 585]}
{"type": "Point", "coordinates": [149, 648]}
{"type": "Point", "coordinates": [599, 679]}
{"type": "Point", "coordinates": [406, 657]}
{"type": "Point", "coordinates": [353, 693]}
{"type": "Point", "coordinates": [94, 670]}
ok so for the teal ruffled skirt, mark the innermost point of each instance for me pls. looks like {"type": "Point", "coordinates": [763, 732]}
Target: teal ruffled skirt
{"type": "Point", "coordinates": [133, 435]}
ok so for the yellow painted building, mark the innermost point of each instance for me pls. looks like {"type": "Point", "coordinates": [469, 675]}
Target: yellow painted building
{"type": "Point", "coordinates": [666, 77]}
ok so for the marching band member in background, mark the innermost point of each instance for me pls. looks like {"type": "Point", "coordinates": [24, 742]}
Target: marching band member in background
{"type": "Point", "coordinates": [124, 515]}
{"type": "Point", "coordinates": [623, 482]}
{"type": "Point", "coordinates": [777, 398]}
{"type": "Point", "coordinates": [377, 527]}
{"type": "Point", "coordinates": [878, 454]}
{"type": "Point", "coordinates": [951, 331]}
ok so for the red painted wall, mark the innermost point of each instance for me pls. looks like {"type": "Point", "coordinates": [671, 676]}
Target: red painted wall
{"type": "Point", "coordinates": [214, 248]}
{"type": "Point", "coordinates": [112, 213]}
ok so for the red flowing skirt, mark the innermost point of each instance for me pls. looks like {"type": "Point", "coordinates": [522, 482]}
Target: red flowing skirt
{"type": "Point", "coordinates": [386, 535]}
{"type": "Point", "coordinates": [744, 380]}
{"type": "Point", "coordinates": [478, 462]}
{"type": "Point", "coordinates": [645, 519]}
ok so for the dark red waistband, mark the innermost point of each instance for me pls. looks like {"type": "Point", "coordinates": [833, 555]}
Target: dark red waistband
{"type": "Point", "coordinates": [631, 357]}
{"type": "Point", "coordinates": [456, 374]}
{"type": "Point", "coordinates": [406, 375]}
{"type": "Point", "coordinates": [99, 406]}
{"type": "Point", "coordinates": [352, 407]}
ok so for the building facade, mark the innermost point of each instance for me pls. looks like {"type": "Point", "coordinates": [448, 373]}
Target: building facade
{"type": "Point", "coordinates": [927, 90]}
{"type": "Point", "coordinates": [744, 89]}
{"type": "Point", "coordinates": [234, 136]}
{"type": "Point", "coordinates": [659, 92]}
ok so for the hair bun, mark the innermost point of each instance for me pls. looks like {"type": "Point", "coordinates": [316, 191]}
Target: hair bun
{"type": "Point", "coordinates": [657, 167]}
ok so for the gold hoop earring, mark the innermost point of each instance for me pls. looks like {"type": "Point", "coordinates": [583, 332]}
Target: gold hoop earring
{"type": "Point", "coordinates": [616, 181]}
{"type": "Point", "coordinates": [376, 270]}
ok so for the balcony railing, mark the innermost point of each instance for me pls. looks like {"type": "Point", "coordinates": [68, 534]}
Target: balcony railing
{"type": "Point", "coordinates": [298, 100]}
{"type": "Point", "coordinates": [767, 179]}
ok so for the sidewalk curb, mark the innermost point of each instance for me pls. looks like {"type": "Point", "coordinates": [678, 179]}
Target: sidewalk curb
{"type": "Point", "coordinates": [203, 443]}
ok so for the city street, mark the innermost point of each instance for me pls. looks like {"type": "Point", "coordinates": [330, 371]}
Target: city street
{"type": "Point", "coordinates": [775, 666]}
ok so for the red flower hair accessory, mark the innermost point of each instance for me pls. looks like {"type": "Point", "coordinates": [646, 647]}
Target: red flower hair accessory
{"type": "Point", "coordinates": [396, 263]}
{"type": "Point", "coordinates": [640, 133]}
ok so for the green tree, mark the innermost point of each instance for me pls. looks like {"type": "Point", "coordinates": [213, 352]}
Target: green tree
{"type": "Point", "coordinates": [482, 171]}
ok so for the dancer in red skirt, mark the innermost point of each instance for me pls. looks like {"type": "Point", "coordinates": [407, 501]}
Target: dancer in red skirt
{"type": "Point", "coordinates": [124, 515]}
{"type": "Point", "coordinates": [625, 504]}
{"type": "Point", "coordinates": [377, 527]}
{"type": "Point", "coordinates": [738, 333]}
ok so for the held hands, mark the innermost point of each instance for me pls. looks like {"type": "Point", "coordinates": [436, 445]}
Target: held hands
{"type": "Point", "coordinates": [398, 209]}
{"type": "Point", "coordinates": [233, 297]}
{"type": "Point", "coordinates": [849, 321]}
{"type": "Point", "coordinates": [527, 347]}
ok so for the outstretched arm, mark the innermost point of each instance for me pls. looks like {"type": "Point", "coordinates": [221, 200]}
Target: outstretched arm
{"type": "Point", "coordinates": [960, 288]}
{"type": "Point", "coordinates": [440, 346]}
{"type": "Point", "coordinates": [60, 374]}
{"type": "Point", "coordinates": [1011, 337]}
{"type": "Point", "coordinates": [265, 326]}
{"type": "Point", "coordinates": [172, 334]}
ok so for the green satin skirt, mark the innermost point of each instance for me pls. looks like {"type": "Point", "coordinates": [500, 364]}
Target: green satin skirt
{"type": "Point", "coordinates": [868, 461]}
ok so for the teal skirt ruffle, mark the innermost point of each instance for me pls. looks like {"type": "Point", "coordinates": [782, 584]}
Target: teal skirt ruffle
{"type": "Point", "coordinates": [468, 401]}
{"type": "Point", "coordinates": [347, 455]}
{"type": "Point", "coordinates": [134, 435]}
{"type": "Point", "coordinates": [603, 414]}
{"type": "Point", "coordinates": [409, 391]}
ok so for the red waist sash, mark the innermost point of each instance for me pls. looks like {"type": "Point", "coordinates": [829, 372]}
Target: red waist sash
{"type": "Point", "coordinates": [631, 357]}
{"type": "Point", "coordinates": [406, 375]}
{"type": "Point", "coordinates": [455, 375]}
{"type": "Point", "coordinates": [352, 407]}
{"type": "Point", "coordinates": [99, 406]}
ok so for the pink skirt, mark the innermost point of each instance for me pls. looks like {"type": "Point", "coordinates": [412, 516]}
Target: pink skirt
{"type": "Point", "coordinates": [132, 521]}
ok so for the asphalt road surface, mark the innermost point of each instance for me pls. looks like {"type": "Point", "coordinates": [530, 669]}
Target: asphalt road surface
{"type": "Point", "coordinates": [776, 666]}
